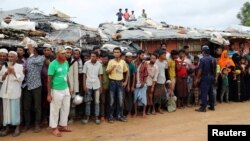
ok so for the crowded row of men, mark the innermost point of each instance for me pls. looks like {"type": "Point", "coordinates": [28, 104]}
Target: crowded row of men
{"type": "Point", "coordinates": [42, 88]}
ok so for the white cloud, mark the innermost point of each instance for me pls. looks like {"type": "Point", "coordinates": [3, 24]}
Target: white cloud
{"type": "Point", "coordinates": [193, 13]}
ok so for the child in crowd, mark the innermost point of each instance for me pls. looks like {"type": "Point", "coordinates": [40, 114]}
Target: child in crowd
{"type": "Point", "coordinates": [225, 84]}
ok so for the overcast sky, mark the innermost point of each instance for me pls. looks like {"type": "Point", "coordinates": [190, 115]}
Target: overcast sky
{"type": "Point", "coordinates": [217, 14]}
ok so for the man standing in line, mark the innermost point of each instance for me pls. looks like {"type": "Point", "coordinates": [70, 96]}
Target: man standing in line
{"type": "Point", "coordinates": [92, 73]}
{"type": "Point", "coordinates": [116, 67]}
{"type": "Point", "coordinates": [58, 93]}
{"type": "Point", "coordinates": [140, 94]}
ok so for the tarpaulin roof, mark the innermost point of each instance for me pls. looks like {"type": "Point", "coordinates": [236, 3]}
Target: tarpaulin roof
{"type": "Point", "coordinates": [147, 29]}
{"type": "Point", "coordinates": [69, 31]}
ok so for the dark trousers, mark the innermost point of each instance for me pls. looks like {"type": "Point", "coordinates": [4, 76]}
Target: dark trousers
{"type": "Point", "coordinates": [115, 95]}
{"type": "Point", "coordinates": [32, 101]}
{"type": "Point", "coordinates": [206, 87]}
{"type": "Point", "coordinates": [103, 101]}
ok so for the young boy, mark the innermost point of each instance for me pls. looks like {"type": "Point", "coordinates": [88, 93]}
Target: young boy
{"type": "Point", "coordinates": [196, 88]}
{"type": "Point", "coordinates": [225, 84]}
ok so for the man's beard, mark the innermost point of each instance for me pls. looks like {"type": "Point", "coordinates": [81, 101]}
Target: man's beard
{"type": "Point", "coordinates": [61, 59]}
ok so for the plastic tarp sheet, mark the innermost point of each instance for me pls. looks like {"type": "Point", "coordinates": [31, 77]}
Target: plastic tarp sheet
{"type": "Point", "coordinates": [19, 25]}
{"type": "Point", "coordinates": [59, 26]}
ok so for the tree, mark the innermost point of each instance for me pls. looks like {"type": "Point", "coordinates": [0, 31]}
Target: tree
{"type": "Point", "coordinates": [244, 14]}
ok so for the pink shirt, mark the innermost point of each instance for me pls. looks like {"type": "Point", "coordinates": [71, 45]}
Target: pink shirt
{"type": "Point", "coordinates": [126, 16]}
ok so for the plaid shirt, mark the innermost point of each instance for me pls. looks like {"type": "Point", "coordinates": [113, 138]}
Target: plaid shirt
{"type": "Point", "coordinates": [143, 72]}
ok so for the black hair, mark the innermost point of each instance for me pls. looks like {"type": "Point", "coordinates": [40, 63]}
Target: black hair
{"type": "Point", "coordinates": [174, 52]}
{"type": "Point", "coordinates": [185, 47]}
{"type": "Point", "coordinates": [95, 53]}
{"type": "Point", "coordinates": [104, 55]}
{"type": "Point", "coordinates": [155, 54]}
{"type": "Point", "coordinates": [117, 48]}
{"type": "Point", "coordinates": [139, 52]}
{"type": "Point", "coordinates": [163, 44]}
{"type": "Point", "coordinates": [132, 11]}
{"type": "Point", "coordinates": [182, 51]}
{"type": "Point", "coordinates": [96, 47]}
{"type": "Point", "coordinates": [161, 52]}
{"type": "Point", "coordinates": [126, 9]}
{"type": "Point", "coordinates": [196, 57]}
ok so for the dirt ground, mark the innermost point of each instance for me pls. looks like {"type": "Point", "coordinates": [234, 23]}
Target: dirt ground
{"type": "Point", "coordinates": [182, 125]}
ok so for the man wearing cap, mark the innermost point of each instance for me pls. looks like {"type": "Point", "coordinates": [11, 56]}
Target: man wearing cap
{"type": "Point", "coordinates": [3, 60]}
{"type": "Point", "coordinates": [49, 57]}
{"type": "Point", "coordinates": [59, 93]}
{"type": "Point", "coordinates": [206, 75]}
{"type": "Point", "coordinates": [32, 99]}
{"type": "Point", "coordinates": [12, 77]}
{"type": "Point", "coordinates": [77, 57]}
{"type": "Point", "coordinates": [73, 78]}
{"type": "Point", "coordinates": [131, 83]}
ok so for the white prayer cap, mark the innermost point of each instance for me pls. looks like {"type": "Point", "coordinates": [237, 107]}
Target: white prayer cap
{"type": "Point", "coordinates": [128, 54]}
{"type": "Point", "coordinates": [3, 50]}
{"type": "Point", "coordinates": [47, 45]}
{"type": "Point", "coordinates": [68, 47]}
{"type": "Point", "coordinates": [13, 52]}
{"type": "Point", "coordinates": [33, 43]}
{"type": "Point", "coordinates": [77, 49]}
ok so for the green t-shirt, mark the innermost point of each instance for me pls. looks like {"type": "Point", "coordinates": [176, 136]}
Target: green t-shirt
{"type": "Point", "coordinates": [132, 70]}
{"type": "Point", "coordinates": [59, 74]}
{"type": "Point", "coordinates": [225, 81]}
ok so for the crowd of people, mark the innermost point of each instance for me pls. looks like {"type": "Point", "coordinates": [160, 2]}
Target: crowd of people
{"type": "Point", "coordinates": [41, 89]}
{"type": "Point", "coordinates": [129, 16]}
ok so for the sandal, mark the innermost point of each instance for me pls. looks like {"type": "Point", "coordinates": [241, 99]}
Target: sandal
{"type": "Point", "coordinates": [65, 129]}
{"type": "Point", "coordinates": [57, 133]}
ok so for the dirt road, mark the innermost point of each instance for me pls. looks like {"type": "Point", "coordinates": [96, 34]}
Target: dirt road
{"type": "Point", "coordinates": [182, 125]}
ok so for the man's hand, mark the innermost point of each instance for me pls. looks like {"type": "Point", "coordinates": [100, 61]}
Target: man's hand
{"type": "Point", "coordinates": [128, 89]}
{"type": "Point", "coordinates": [142, 85]}
{"type": "Point", "coordinates": [132, 89]}
{"type": "Point", "coordinates": [196, 81]}
{"type": "Point", "coordinates": [152, 89]}
{"type": "Point", "coordinates": [85, 89]}
{"type": "Point", "coordinates": [49, 98]}
{"type": "Point", "coordinates": [124, 84]}
{"type": "Point", "coordinates": [71, 91]}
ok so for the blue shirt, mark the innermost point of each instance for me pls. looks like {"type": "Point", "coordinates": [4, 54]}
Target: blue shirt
{"type": "Point", "coordinates": [34, 67]}
{"type": "Point", "coordinates": [119, 14]}
{"type": "Point", "coordinates": [207, 65]}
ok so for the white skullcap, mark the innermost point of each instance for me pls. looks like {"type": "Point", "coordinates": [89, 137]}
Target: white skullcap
{"type": "Point", "coordinates": [68, 47]}
{"type": "Point", "coordinates": [128, 54]}
{"type": "Point", "coordinates": [33, 43]}
{"type": "Point", "coordinates": [77, 49]}
{"type": "Point", "coordinates": [3, 50]}
{"type": "Point", "coordinates": [13, 52]}
{"type": "Point", "coordinates": [47, 45]}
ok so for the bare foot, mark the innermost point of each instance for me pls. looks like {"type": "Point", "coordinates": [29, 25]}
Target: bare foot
{"type": "Point", "coordinates": [143, 115]}
{"type": "Point", "coordinates": [56, 133]}
{"type": "Point", "coordinates": [135, 115]}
